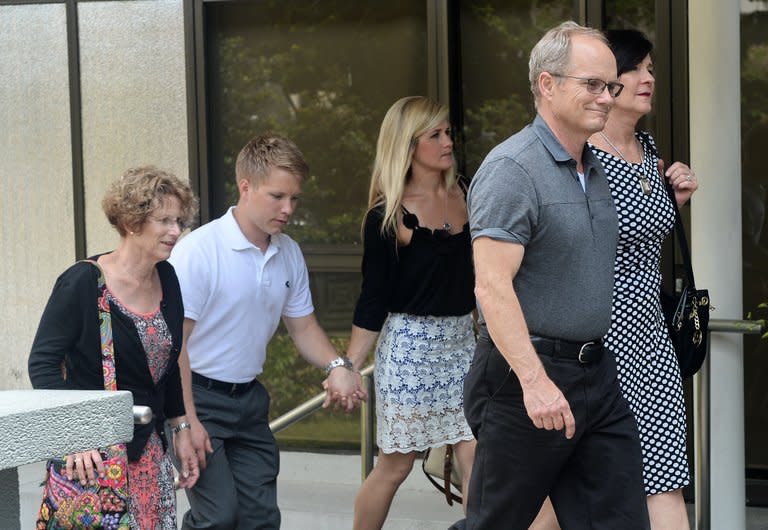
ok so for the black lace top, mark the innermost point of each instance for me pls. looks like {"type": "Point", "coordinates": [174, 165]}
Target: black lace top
{"type": "Point", "coordinates": [432, 275]}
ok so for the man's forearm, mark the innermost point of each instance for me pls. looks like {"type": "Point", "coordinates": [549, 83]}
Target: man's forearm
{"type": "Point", "coordinates": [186, 384]}
{"type": "Point", "coordinates": [508, 330]}
{"type": "Point", "coordinates": [186, 371]}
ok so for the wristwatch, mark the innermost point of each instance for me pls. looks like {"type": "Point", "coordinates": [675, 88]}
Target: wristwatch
{"type": "Point", "coordinates": [338, 361]}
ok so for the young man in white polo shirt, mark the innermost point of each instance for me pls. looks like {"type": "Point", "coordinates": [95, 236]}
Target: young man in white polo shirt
{"type": "Point", "coordinates": [239, 276]}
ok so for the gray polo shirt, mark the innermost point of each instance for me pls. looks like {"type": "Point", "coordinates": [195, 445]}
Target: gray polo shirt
{"type": "Point", "coordinates": [527, 192]}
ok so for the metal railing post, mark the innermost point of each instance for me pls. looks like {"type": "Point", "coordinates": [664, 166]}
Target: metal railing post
{"type": "Point", "coordinates": [701, 464]}
{"type": "Point", "coordinates": [366, 427]}
{"type": "Point", "coordinates": [702, 422]}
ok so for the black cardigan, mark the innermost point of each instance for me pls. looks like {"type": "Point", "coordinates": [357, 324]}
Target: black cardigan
{"type": "Point", "coordinates": [69, 332]}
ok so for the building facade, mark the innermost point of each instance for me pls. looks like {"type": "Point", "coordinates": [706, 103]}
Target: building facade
{"type": "Point", "coordinates": [91, 88]}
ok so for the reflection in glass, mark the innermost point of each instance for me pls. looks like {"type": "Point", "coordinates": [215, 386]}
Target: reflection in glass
{"type": "Point", "coordinates": [637, 14]}
{"type": "Point", "coordinates": [321, 73]}
{"type": "Point", "coordinates": [640, 15]}
{"type": "Point", "coordinates": [496, 39]}
{"type": "Point", "coordinates": [754, 138]}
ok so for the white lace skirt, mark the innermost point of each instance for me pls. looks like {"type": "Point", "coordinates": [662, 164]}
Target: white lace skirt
{"type": "Point", "coordinates": [419, 376]}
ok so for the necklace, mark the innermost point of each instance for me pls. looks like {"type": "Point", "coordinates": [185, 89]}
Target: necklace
{"type": "Point", "coordinates": [446, 225]}
{"type": "Point", "coordinates": [645, 185]}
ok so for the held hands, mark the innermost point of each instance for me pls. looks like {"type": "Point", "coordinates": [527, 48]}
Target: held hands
{"type": "Point", "coordinates": [201, 443]}
{"type": "Point", "coordinates": [546, 405]}
{"type": "Point", "coordinates": [683, 180]}
{"type": "Point", "coordinates": [344, 388]}
{"type": "Point", "coordinates": [185, 452]}
{"type": "Point", "coordinates": [85, 466]}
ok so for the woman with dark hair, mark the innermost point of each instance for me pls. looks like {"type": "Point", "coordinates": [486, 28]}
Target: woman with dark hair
{"type": "Point", "coordinates": [648, 371]}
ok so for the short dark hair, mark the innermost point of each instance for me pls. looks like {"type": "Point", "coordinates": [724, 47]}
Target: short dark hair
{"type": "Point", "coordinates": [629, 46]}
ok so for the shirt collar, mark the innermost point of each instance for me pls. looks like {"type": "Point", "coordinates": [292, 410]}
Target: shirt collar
{"type": "Point", "coordinates": [556, 149]}
{"type": "Point", "coordinates": [235, 238]}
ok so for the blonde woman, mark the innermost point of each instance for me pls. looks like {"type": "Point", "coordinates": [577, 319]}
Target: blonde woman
{"type": "Point", "coordinates": [417, 299]}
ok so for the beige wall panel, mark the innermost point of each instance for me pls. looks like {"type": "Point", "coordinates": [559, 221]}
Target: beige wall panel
{"type": "Point", "coordinates": [134, 98]}
{"type": "Point", "coordinates": [36, 219]}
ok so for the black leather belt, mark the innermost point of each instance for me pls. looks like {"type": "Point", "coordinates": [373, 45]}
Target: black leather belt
{"type": "Point", "coordinates": [222, 386]}
{"type": "Point", "coordinates": [584, 352]}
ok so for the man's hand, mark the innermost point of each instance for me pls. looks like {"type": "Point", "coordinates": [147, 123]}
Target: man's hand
{"type": "Point", "coordinates": [344, 387]}
{"type": "Point", "coordinates": [546, 405]}
{"type": "Point", "coordinates": [182, 446]}
{"type": "Point", "coordinates": [200, 441]}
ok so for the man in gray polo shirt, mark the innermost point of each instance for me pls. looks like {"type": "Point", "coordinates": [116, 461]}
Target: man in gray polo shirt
{"type": "Point", "coordinates": [541, 398]}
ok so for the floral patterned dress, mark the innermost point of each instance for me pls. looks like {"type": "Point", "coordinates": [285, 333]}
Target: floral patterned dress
{"type": "Point", "coordinates": [150, 478]}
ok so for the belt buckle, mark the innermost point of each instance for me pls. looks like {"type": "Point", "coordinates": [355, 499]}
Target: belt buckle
{"type": "Point", "coordinates": [581, 351]}
{"type": "Point", "coordinates": [233, 390]}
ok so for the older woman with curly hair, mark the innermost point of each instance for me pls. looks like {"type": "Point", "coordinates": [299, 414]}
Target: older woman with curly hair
{"type": "Point", "coordinates": [149, 208]}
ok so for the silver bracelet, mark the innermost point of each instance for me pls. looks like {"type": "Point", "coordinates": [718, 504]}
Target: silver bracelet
{"type": "Point", "coordinates": [180, 427]}
{"type": "Point", "coordinates": [338, 362]}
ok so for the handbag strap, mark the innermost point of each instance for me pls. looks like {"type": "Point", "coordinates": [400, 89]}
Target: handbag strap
{"type": "Point", "coordinates": [447, 470]}
{"type": "Point", "coordinates": [450, 496]}
{"type": "Point", "coordinates": [682, 240]}
{"type": "Point", "coordinates": [105, 328]}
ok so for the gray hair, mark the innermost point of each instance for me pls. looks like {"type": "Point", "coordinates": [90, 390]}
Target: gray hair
{"type": "Point", "coordinates": [552, 52]}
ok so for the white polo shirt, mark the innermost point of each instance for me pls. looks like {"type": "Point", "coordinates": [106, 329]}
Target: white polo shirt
{"type": "Point", "coordinates": [236, 295]}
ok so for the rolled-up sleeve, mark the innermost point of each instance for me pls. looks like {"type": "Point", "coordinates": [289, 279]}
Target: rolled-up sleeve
{"type": "Point", "coordinates": [502, 202]}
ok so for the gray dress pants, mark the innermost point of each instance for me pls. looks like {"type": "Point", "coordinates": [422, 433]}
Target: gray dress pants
{"type": "Point", "coordinates": [238, 489]}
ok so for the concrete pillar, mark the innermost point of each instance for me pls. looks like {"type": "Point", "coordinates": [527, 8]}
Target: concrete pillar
{"type": "Point", "coordinates": [716, 243]}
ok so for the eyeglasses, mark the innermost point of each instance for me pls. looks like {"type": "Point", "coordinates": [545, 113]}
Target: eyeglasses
{"type": "Point", "coordinates": [168, 222]}
{"type": "Point", "coordinates": [596, 86]}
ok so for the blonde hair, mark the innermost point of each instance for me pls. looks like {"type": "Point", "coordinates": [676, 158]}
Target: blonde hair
{"type": "Point", "coordinates": [139, 191]}
{"type": "Point", "coordinates": [553, 52]}
{"type": "Point", "coordinates": [406, 120]}
{"type": "Point", "coordinates": [263, 152]}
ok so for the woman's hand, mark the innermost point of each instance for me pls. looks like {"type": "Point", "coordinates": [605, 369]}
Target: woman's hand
{"type": "Point", "coordinates": [344, 388]}
{"type": "Point", "coordinates": [85, 467]}
{"type": "Point", "coordinates": [683, 180]}
{"type": "Point", "coordinates": [185, 452]}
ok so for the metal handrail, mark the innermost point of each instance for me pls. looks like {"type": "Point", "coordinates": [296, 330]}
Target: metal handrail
{"type": "Point", "coordinates": [701, 419]}
{"type": "Point", "coordinates": [306, 408]}
{"type": "Point", "coordinates": [745, 327]}
{"type": "Point", "coordinates": [701, 423]}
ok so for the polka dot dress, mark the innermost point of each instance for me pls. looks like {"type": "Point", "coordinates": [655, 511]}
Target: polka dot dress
{"type": "Point", "coordinates": [648, 371]}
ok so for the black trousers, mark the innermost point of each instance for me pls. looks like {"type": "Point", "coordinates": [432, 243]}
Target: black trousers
{"type": "Point", "coordinates": [595, 480]}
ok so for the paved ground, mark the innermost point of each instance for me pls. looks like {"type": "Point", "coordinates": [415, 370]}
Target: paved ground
{"type": "Point", "coordinates": [316, 491]}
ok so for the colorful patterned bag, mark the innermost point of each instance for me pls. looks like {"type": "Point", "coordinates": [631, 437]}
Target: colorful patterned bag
{"type": "Point", "coordinates": [66, 503]}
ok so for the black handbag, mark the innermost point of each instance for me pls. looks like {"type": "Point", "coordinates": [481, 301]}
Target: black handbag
{"type": "Point", "coordinates": [687, 313]}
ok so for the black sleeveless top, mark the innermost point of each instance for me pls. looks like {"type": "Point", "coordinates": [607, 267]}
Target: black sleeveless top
{"type": "Point", "coordinates": [432, 275]}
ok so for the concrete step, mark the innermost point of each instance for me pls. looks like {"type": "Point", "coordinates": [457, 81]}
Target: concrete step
{"type": "Point", "coordinates": [315, 491]}
{"type": "Point", "coordinates": [318, 491]}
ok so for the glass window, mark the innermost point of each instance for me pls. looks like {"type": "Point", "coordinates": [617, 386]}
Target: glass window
{"type": "Point", "coordinates": [754, 183]}
{"type": "Point", "coordinates": [496, 40]}
{"type": "Point", "coordinates": [321, 73]}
